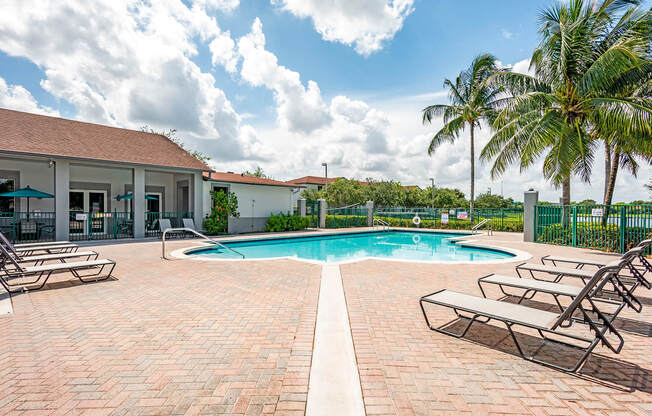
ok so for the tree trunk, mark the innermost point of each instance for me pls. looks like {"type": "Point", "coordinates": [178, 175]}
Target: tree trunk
{"type": "Point", "coordinates": [611, 183]}
{"type": "Point", "coordinates": [607, 167]}
{"type": "Point", "coordinates": [472, 175]}
{"type": "Point", "coordinates": [565, 200]}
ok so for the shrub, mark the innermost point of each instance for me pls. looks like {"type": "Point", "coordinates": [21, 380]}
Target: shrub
{"type": "Point", "coordinates": [593, 236]}
{"type": "Point", "coordinates": [225, 205]}
{"type": "Point", "coordinates": [286, 222]}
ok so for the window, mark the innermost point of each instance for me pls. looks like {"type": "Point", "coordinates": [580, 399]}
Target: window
{"type": "Point", "coordinates": [319, 187]}
{"type": "Point", "coordinates": [6, 204]}
{"type": "Point", "coordinates": [153, 202]}
{"type": "Point", "coordinates": [224, 189]}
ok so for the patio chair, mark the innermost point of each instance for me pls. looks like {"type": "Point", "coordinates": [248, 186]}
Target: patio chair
{"type": "Point", "coordinates": [548, 325]}
{"type": "Point", "coordinates": [642, 267]}
{"type": "Point", "coordinates": [42, 273]}
{"type": "Point", "coordinates": [559, 273]}
{"type": "Point", "coordinates": [165, 224]}
{"type": "Point", "coordinates": [41, 259]}
{"type": "Point", "coordinates": [530, 288]}
{"type": "Point", "coordinates": [36, 248]}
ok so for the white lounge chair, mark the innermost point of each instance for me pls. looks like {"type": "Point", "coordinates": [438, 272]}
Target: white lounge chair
{"type": "Point", "coordinates": [43, 272]}
{"type": "Point", "coordinates": [545, 323]}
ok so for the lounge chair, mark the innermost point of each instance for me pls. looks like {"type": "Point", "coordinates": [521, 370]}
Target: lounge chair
{"type": "Point", "coordinates": [545, 323]}
{"type": "Point", "coordinates": [530, 287]}
{"type": "Point", "coordinates": [189, 223]}
{"type": "Point", "coordinates": [165, 224]}
{"type": "Point", "coordinates": [36, 248]}
{"type": "Point", "coordinates": [43, 272]}
{"type": "Point", "coordinates": [579, 263]}
{"type": "Point", "coordinates": [635, 278]}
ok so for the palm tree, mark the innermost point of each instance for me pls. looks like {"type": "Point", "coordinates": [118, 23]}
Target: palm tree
{"type": "Point", "coordinates": [572, 100]}
{"type": "Point", "coordinates": [472, 101]}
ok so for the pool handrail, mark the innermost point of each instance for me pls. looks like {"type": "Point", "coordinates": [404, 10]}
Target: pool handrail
{"type": "Point", "coordinates": [480, 224]}
{"type": "Point", "coordinates": [190, 230]}
{"type": "Point", "coordinates": [383, 223]}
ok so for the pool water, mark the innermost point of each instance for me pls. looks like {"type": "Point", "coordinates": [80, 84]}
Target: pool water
{"type": "Point", "coordinates": [403, 245]}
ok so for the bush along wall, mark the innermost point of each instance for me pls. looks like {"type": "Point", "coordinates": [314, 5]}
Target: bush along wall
{"type": "Point", "coordinates": [286, 222]}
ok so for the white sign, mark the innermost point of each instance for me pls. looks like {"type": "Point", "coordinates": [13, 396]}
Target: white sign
{"type": "Point", "coordinates": [452, 212]}
{"type": "Point", "coordinates": [596, 212]}
{"type": "Point", "coordinates": [81, 217]}
{"type": "Point", "coordinates": [444, 218]}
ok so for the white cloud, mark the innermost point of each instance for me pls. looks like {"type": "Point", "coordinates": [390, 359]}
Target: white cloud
{"type": "Point", "coordinates": [223, 5]}
{"type": "Point", "coordinates": [365, 24]}
{"type": "Point", "coordinates": [506, 33]}
{"type": "Point", "coordinates": [129, 63]}
{"type": "Point", "coordinates": [300, 109]}
{"type": "Point", "coordinates": [15, 97]}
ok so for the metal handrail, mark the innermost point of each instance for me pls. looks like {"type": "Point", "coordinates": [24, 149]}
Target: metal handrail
{"type": "Point", "coordinates": [197, 233]}
{"type": "Point", "coordinates": [381, 222]}
{"type": "Point", "coordinates": [480, 224]}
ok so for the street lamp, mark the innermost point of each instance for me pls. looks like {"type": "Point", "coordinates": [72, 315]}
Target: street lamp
{"type": "Point", "coordinates": [325, 165]}
{"type": "Point", "coordinates": [432, 181]}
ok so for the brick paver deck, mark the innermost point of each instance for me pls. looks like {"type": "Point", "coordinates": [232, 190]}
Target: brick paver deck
{"type": "Point", "coordinates": [407, 369]}
{"type": "Point", "coordinates": [178, 337]}
{"type": "Point", "coordinates": [200, 337]}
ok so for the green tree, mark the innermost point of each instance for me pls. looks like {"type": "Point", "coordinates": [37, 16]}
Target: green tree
{"type": "Point", "coordinates": [225, 205]}
{"type": "Point", "coordinates": [171, 135]}
{"type": "Point", "coordinates": [313, 194]}
{"type": "Point", "coordinates": [384, 193]}
{"type": "Point", "coordinates": [472, 101]}
{"type": "Point", "coordinates": [345, 192]}
{"type": "Point", "coordinates": [574, 97]}
{"type": "Point", "coordinates": [488, 200]}
{"type": "Point", "coordinates": [257, 173]}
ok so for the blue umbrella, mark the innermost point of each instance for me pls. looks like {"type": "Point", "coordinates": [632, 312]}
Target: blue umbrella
{"type": "Point", "coordinates": [28, 193]}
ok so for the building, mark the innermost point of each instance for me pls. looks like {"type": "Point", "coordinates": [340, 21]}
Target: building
{"type": "Point", "coordinates": [109, 182]}
{"type": "Point", "coordinates": [258, 198]}
{"type": "Point", "coordinates": [308, 182]}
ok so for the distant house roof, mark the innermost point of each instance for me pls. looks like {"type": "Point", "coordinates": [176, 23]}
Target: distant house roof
{"type": "Point", "coordinates": [34, 134]}
{"type": "Point", "coordinates": [231, 177]}
{"type": "Point", "coordinates": [312, 180]}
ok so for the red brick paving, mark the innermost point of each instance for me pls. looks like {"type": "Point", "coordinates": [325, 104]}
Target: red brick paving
{"type": "Point", "coordinates": [406, 369]}
{"type": "Point", "coordinates": [194, 337]}
{"type": "Point", "coordinates": [180, 337]}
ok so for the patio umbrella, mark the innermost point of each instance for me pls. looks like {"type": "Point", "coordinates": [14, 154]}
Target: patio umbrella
{"type": "Point", "coordinates": [131, 196]}
{"type": "Point", "coordinates": [28, 193]}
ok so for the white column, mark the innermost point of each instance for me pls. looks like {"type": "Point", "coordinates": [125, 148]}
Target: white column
{"type": "Point", "coordinates": [198, 200]}
{"type": "Point", "coordinates": [370, 213]}
{"type": "Point", "coordinates": [62, 199]}
{"type": "Point", "coordinates": [139, 202]}
{"type": "Point", "coordinates": [530, 200]}
{"type": "Point", "coordinates": [301, 207]}
{"type": "Point", "coordinates": [322, 213]}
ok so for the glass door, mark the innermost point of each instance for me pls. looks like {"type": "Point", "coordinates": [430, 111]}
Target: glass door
{"type": "Point", "coordinates": [87, 211]}
{"type": "Point", "coordinates": [96, 201]}
{"type": "Point", "coordinates": [76, 209]}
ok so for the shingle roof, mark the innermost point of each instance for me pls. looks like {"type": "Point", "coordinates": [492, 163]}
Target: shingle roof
{"type": "Point", "coordinates": [316, 180]}
{"type": "Point", "coordinates": [52, 136]}
{"type": "Point", "coordinates": [241, 178]}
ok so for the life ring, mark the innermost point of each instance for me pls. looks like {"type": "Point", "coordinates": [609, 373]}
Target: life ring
{"type": "Point", "coordinates": [416, 220]}
{"type": "Point", "coordinates": [416, 239]}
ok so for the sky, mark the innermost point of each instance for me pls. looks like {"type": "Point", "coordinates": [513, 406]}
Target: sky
{"type": "Point", "coordinates": [280, 84]}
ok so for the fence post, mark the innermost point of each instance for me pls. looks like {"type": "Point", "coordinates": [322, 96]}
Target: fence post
{"type": "Point", "coordinates": [322, 213]}
{"type": "Point", "coordinates": [623, 226]}
{"type": "Point", "coordinates": [301, 207]}
{"type": "Point", "coordinates": [530, 200]}
{"type": "Point", "coordinates": [370, 213]}
{"type": "Point", "coordinates": [574, 226]}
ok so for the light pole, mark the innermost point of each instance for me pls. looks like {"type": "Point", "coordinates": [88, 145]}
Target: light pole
{"type": "Point", "coordinates": [325, 165]}
{"type": "Point", "coordinates": [432, 189]}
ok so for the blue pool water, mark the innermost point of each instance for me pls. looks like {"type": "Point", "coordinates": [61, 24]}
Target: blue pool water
{"type": "Point", "coordinates": [402, 245]}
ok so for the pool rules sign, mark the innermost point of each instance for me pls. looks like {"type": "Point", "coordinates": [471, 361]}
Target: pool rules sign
{"type": "Point", "coordinates": [444, 218]}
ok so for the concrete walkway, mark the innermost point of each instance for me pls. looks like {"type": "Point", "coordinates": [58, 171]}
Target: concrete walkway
{"type": "Point", "coordinates": [334, 387]}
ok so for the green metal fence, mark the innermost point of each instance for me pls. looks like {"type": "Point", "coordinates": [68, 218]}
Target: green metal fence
{"type": "Point", "coordinates": [312, 212]}
{"type": "Point", "coordinates": [501, 219]}
{"type": "Point", "coordinates": [344, 217]}
{"type": "Point", "coordinates": [614, 228]}
{"type": "Point", "coordinates": [23, 227]}
{"type": "Point", "coordinates": [100, 225]}
{"type": "Point", "coordinates": [152, 227]}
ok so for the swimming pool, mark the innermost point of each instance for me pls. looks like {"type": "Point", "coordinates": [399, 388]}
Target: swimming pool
{"type": "Point", "coordinates": [343, 247]}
